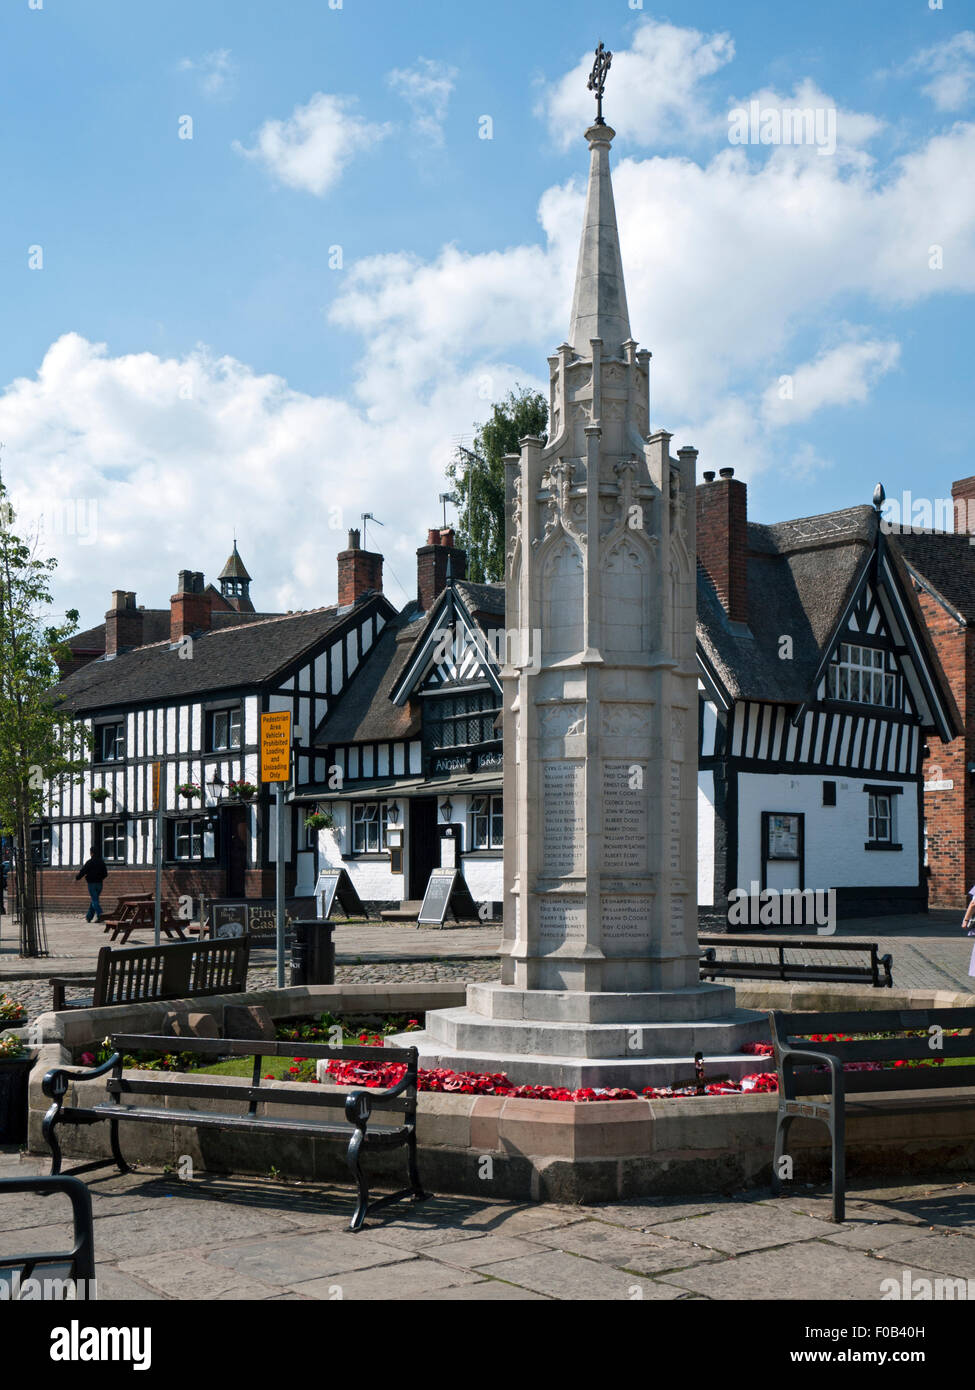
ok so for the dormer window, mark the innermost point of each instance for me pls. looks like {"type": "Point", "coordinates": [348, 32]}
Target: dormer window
{"type": "Point", "coordinates": [861, 676]}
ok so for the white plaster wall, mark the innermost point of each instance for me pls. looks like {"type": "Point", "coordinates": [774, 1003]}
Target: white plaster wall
{"type": "Point", "coordinates": [372, 878]}
{"type": "Point", "coordinates": [485, 878]}
{"type": "Point", "coordinates": [705, 837]}
{"type": "Point", "coordinates": [835, 835]}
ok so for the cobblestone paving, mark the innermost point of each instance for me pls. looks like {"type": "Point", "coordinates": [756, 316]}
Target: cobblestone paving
{"type": "Point", "coordinates": [36, 994]}
{"type": "Point", "coordinates": [158, 1238]}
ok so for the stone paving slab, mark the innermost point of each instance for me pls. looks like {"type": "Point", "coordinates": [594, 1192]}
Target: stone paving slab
{"type": "Point", "coordinates": [624, 1248]}
{"type": "Point", "coordinates": [809, 1270]}
{"type": "Point", "coordinates": [745, 1227]}
{"type": "Point", "coordinates": [297, 1259]}
{"type": "Point", "coordinates": [571, 1277]}
{"type": "Point", "coordinates": [410, 1279]}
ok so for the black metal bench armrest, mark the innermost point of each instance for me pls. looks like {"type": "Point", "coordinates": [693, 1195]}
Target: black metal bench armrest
{"type": "Point", "coordinates": [359, 1104]}
{"type": "Point", "coordinates": [55, 1088]}
{"type": "Point", "coordinates": [789, 1054]}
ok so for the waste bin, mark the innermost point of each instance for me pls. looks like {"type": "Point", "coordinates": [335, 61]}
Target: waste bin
{"type": "Point", "coordinates": [312, 952]}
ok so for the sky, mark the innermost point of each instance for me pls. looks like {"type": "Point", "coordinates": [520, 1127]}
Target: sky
{"type": "Point", "coordinates": [263, 266]}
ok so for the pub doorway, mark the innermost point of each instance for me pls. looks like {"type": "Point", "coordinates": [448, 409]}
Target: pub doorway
{"type": "Point", "coordinates": [424, 844]}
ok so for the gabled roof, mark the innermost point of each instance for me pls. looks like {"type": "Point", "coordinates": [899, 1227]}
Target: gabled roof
{"type": "Point", "coordinates": [461, 608]}
{"type": "Point", "coordinates": [946, 561]}
{"type": "Point", "coordinates": [364, 711]}
{"type": "Point", "coordinates": [801, 576]}
{"type": "Point", "coordinates": [248, 653]}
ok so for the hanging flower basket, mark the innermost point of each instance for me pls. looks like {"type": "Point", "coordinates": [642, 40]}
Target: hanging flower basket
{"type": "Point", "coordinates": [241, 791]}
{"type": "Point", "coordinates": [188, 789]}
{"type": "Point", "coordinates": [100, 794]}
{"type": "Point", "coordinates": [319, 820]}
{"type": "Point", "coordinates": [11, 1010]}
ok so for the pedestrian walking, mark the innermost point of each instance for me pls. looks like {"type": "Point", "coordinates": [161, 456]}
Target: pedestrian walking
{"type": "Point", "coordinates": [95, 871]}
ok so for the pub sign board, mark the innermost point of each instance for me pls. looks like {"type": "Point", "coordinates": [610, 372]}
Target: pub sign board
{"type": "Point", "coordinates": [447, 891]}
{"type": "Point", "coordinates": [254, 917]}
{"type": "Point", "coordinates": [335, 886]}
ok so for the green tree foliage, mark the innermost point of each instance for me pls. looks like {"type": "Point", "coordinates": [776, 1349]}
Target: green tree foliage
{"type": "Point", "coordinates": [477, 477]}
{"type": "Point", "coordinates": [39, 744]}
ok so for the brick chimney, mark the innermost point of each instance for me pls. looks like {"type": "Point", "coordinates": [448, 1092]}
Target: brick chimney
{"type": "Point", "coordinates": [189, 607]}
{"type": "Point", "coordinates": [359, 571]}
{"type": "Point", "coordinates": [431, 565]}
{"type": "Point", "coordinates": [722, 539]}
{"type": "Point", "coordinates": [123, 623]}
{"type": "Point", "coordinates": [963, 497]}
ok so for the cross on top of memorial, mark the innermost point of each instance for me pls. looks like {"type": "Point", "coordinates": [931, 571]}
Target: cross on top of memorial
{"type": "Point", "coordinates": [597, 79]}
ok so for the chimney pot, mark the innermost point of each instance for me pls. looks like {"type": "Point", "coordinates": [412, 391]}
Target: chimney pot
{"type": "Point", "coordinates": [709, 476]}
{"type": "Point", "coordinates": [726, 472]}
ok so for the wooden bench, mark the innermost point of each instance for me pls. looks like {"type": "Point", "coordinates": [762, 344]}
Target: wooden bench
{"type": "Point", "coordinates": [850, 972]}
{"type": "Point", "coordinates": [807, 1068]}
{"type": "Point", "coordinates": [178, 970]}
{"type": "Point", "coordinates": [254, 1097]}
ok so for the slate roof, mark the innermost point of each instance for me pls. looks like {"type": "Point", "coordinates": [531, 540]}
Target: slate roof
{"type": "Point", "coordinates": [482, 598]}
{"type": "Point", "coordinates": [155, 627]}
{"type": "Point", "coordinates": [365, 712]}
{"type": "Point", "coordinates": [249, 653]}
{"type": "Point", "coordinates": [234, 568]}
{"type": "Point", "coordinates": [946, 560]}
{"type": "Point", "coordinates": [801, 576]}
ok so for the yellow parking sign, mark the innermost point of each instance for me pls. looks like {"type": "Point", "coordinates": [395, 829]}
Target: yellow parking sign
{"type": "Point", "coordinates": [275, 747]}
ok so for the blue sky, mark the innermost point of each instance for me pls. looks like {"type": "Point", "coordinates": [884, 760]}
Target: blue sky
{"type": "Point", "coordinates": [186, 361]}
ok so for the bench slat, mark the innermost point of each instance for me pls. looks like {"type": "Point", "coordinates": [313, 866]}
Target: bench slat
{"type": "Point", "coordinates": [203, 1119]}
{"type": "Point", "coordinates": [893, 1049]}
{"type": "Point", "coordinates": [247, 1094]}
{"type": "Point", "coordinates": [794, 943]}
{"type": "Point", "coordinates": [902, 1079]}
{"type": "Point", "coordinates": [240, 1047]}
{"type": "Point", "coordinates": [795, 1025]}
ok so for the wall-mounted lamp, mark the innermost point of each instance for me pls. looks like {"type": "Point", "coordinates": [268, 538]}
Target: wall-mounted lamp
{"type": "Point", "coordinates": [447, 810]}
{"type": "Point", "coordinates": [392, 813]}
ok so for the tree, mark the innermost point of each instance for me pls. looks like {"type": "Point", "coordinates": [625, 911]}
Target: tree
{"type": "Point", "coordinates": [477, 475]}
{"type": "Point", "coordinates": [39, 743]}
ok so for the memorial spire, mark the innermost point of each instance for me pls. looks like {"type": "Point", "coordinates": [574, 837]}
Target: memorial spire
{"type": "Point", "coordinates": [599, 302]}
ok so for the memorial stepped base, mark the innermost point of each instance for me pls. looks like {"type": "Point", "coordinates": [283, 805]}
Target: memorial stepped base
{"type": "Point", "coordinates": [559, 1038]}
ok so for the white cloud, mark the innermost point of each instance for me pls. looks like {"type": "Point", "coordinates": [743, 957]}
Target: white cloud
{"type": "Point", "coordinates": [652, 91]}
{"type": "Point", "coordinates": [426, 88]}
{"type": "Point", "coordinates": [314, 145]}
{"type": "Point", "coordinates": [837, 376]}
{"type": "Point", "coordinates": [951, 65]}
{"type": "Point", "coordinates": [216, 72]}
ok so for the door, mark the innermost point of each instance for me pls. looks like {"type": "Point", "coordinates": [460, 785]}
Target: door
{"type": "Point", "coordinates": [424, 844]}
{"type": "Point", "coordinates": [237, 829]}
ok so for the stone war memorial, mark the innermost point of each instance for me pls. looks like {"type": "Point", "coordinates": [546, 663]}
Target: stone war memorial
{"type": "Point", "coordinates": [600, 962]}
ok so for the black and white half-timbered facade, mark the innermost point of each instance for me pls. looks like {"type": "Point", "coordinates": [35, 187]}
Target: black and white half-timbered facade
{"type": "Point", "coordinates": [191, 702]}
{"type": "Point", "coordinates": [818, 686]}
{"type": "Point", "coordinates": [415, 742]}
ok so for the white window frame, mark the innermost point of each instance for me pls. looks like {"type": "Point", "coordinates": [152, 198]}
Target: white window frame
{"type": "Point", "coordinates": [856, 669]}
{"type": "Point", "coordinates": [880, 814]}
{"type": "Point", "coordinates": [484, 818]}
{"type": "Point", "coordinates": [370, 821]}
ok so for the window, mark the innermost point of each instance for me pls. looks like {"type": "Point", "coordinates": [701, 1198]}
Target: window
{"type": "Point", "coordinates": [487, 823]}
{"type": "Point", "coordinates": [223, 729]}
{"type": "Point", "coordinates": [457, 721]}
{"type": "Point", "coordinates": [193, 838]}
{"type": "Point", "coordinates": [860, 675]}
{"type": "Point", "coordinates": [109, 743]}
{"type": "Point", "coordinates": [880, 818]}
{"type": "Point", "coordinates": [112, 836]}
{"type": "Point", "coordinates": [40, 844]}
{"type": "Point", "coordinates": [369, 823]}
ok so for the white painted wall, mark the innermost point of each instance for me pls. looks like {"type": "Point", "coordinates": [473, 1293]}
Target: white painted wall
{"type": "Point", "coordinates": [705, 837]}
{"type": "Point", "coordinates": [835, 835]}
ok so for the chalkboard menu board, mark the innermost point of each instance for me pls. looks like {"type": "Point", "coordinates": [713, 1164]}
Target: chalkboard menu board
{"type": "Point", "coordinates": [447, 891]}
{"type": "Point", "coordinates": [335, 886]}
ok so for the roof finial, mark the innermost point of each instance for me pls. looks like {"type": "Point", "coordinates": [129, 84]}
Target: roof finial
{"type": "Point", "coordinates": [597, 79]}
{"type": "Point", "coordinates": [879, 496]}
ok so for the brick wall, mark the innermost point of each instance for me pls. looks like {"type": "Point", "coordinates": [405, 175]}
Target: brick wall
{"type": "Point", "coordinates": [359, 571]}
{"type": "Point", "coordinates": [950, 815]}
{"type": "Point", "coordinates": [431, 566]}
{"type": "Point", "coordinates": [722, 540]}
{"type": "Point", "coordinates": [60, 892]}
